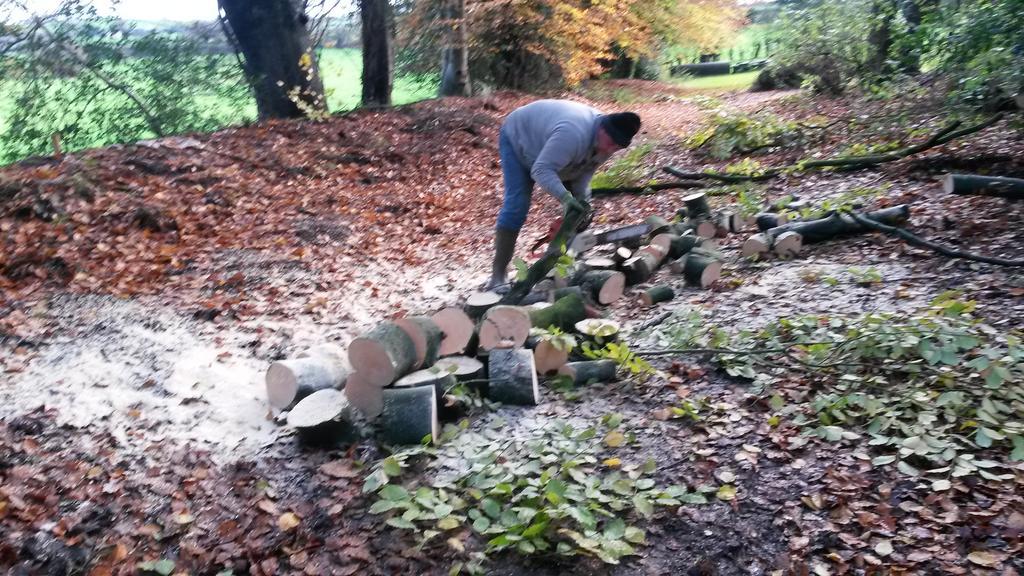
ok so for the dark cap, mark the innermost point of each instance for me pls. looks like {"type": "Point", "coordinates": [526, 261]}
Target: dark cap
{"type": "Point", "coordinates": [621, 126]}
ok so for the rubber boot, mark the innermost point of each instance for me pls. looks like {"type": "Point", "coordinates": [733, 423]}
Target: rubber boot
{"type": "Point", "coordinates": [504, 249]}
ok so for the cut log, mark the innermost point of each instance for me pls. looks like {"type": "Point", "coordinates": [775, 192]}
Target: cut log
{"type": "Point", "coordinates": [622, 254]}
{"type": "Point", "coordinates": [463, 368]}
{"type": "Point", "coordinates": [599, 330]}
{"type": "Point", "coordinates": [289, 381]}
{"type": "Point", "coordinates": [480, 302]}
{"type": "Point", "coordinates": [410, 415]}
{"type": "Point", "coordinates": [457, 328]}
{"type": "Point", "coordinates": [1001, 187]}
{"type": "Point", "coordinates": [656, 251]}
{"type": "Point", "coordinates": [504, 326]}
{"type": "Point", "coordinates": [702, 228]}
{"type": "Point", "coordinates": [663, 240]}
{"type": "Point", "coordinates": [600, 263]}
{"type": "Point", "coordinates": [658, 225]}
{"type": "Point", "coordinates": [836, 224]}
{"type": "Point", "coordinates": [681, 245]}
{"type": "Point", "coordinates": [755, 246]}
{"type": "Point", "coordinates": [657, 294]}
{"type": "Point", "coordinates": [639, 268]}
{"type": "Point", "coordinates": [383, 355]}
{"type": "Point", "coordinates": [364, 395]}
{"type": "Point", "coordinates": [323, 418]}
{"type": "Point", "coordinates": [787, 245]}
{"type": "Point", "coordinates": [563, 314]}
{"type": "Point", "coordinates": [549, 357]}
{"type": "Point", "coordinates": [512, 377]}
{"type": "Point", "coordinates": [730, 223]}
{"type": "Point", "coordinates": [701, 270]}
{"type": "Point", "coordinates": [439, 378]}
{"type": "Point", "coordinates": [426, 337]}
{"type": "Point", "coordinates": [603, 286]}
{"type": "Point", "coordinates": [768, 220]}
{"type": "Point", "coordinates": [590, 372]}
{"type": "Point", "coordinates": [697, 206]}
{"type": "Point", "coordinates": [563, 292]}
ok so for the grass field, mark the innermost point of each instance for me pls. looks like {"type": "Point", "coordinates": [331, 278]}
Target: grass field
{"type": "Point", "coordinates": [340, 68]}
{"type": "Point", "coordinates": [739, 81]}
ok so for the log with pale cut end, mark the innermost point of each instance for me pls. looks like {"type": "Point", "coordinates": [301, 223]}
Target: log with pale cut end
{"type": "Point", "coordinates": [364, 395]}
{"type": "Point", "coordinates": [768, 220]}
{"type": "Point", "coordinates": [697, 206]}
{"type": "Point", "coordinates": [657, 225]}
{"type": "Point", "coordinates": [1002, 187]}
{"type": "Point", "coordinates": [479, 303]}
{"type": "Point", "coordinates": [730, 223]}
{"type": "Point", "coordinates": [603, 286]}
{"type": "Point", "coordinates": [756, 245]}
{"type": "Point", "coordinates": [656, 251]}
{"type": "Point", "coordinates": [439, 378]}
{"type": "Point", "coordinates": [289, 381]}
{"type": "Point", "coordinates": [563, 314]}
{"type": "Point", "coordinates": [837, 224]}
{"type": "Point", "coordinates": [382, 355]}
{"type": "Point", "coordinates": [704, 229]}
{"type": "Point", "coordinates": [590, 371]}
{"type": "Point", "coordinates": [622, 254]}
{"type": "Point", "coordinates": [639, 268]}
{"type": "Point", "coordinates": [600, 263]}
{"type": "Point", "coordinates": [550, 356]}
{"type": "Point", "coordinates": [701, 270]}
{"type": "Point", "coordinates": [426, 337]}
{"type": "Point", "coordinates": [324, 417]}
{"type": "Point", "coordinates": [504, 326]}
{"type": "Point", "coordinates": [599, 330]}
{"type": "Point", "coordinates": [409, 415]}
{"type": "Point", "coordinates": [463, 368]}
{"type": "Point", "coordinates": [457, 329]}
{"type": "Point", "coordinates": [663, 240]}
{"type": "Point", "coordinates": [787, 245]}
{"type": "Point", "coordinates": [512, 377]}
{"type": "Point", "coordinates": [657, 294]}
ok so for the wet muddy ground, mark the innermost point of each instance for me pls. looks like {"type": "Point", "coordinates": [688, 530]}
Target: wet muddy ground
{"type": "Point", "coordinates": [145, 415]}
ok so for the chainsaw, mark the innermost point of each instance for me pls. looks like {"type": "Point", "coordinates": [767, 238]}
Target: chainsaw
{"type": "Point", "coordinates": [587, 239]}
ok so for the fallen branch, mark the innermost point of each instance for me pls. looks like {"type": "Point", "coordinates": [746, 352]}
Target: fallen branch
{"type": "Point", "coordinates": [644, 189]}
{"type": "Point", "coordinates": [921, 242]}
{"type": "Point", "coordinates": [964, 184]}
{"type": "Point", "coordinates": [943, 136]}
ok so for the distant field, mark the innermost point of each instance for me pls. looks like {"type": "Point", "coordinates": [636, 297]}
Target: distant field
{"type": "Point", "coordinates": [340, 69]}
{"type": "Point", "coordinates": [739, 81]}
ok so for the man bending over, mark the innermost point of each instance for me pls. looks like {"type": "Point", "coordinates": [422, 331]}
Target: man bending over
{"type": "Point", "coordinates": [558, 144]}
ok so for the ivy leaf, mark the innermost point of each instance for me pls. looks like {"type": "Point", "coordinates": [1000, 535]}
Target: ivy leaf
{"type": "Point", "coordinates": [635, 535]}
{"type": "Point", "coordinates": [391, 466]}
{"type": "Point", "coordinates": [374, 481]}
{"type": "Point", "coordinates": [394, 492]}
{"type": "Point", "coordinates": [400, 522]}
{"type": "Point", "coordinates": [162, 567]}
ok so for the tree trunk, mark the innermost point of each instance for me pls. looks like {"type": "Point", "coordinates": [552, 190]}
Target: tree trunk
{"type": "Point", "coordinates": [1012, 188]}
{"type": "Point", "coordinates": [277, 56]}
{"type": "Point", "coordinates": [378, 52]}
{"type": "Point", "coordinates": [880, 37]}
{"type": "Point", "coordinates": [455, 53]}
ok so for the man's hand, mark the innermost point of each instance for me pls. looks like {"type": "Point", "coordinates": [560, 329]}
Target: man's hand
{"type": "Point", "coordinates": [573, 205]}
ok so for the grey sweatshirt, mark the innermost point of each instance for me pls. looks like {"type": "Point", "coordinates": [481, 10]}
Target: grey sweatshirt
{"type": "Point", "coordinates": [557, 139]}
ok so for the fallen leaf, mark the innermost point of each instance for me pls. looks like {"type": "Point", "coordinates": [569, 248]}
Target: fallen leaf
{"type": "Point", "coordinates": [614, 439]}
{"type": "Point", "coordinates": [288, 521]}
{"type": "Point", "coordinates": [986, 558]}
{"type": "Point", "coordinates": [613, 462]}
{"type": "Point", "coordinates": [883, 548]}
{"type": "Point", "coordinates": [726, 492]}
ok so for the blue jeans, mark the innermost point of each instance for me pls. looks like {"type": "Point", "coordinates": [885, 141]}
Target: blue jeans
{"type": "Point", "coordinates": [518, 187]}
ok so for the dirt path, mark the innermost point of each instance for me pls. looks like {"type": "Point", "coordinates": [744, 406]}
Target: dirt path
{"type": "Point", "coordinates": [154, 440]}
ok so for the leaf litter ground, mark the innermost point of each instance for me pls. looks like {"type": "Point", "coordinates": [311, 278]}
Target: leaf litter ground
{"type": "Point", "coordinates": [146, 287]}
